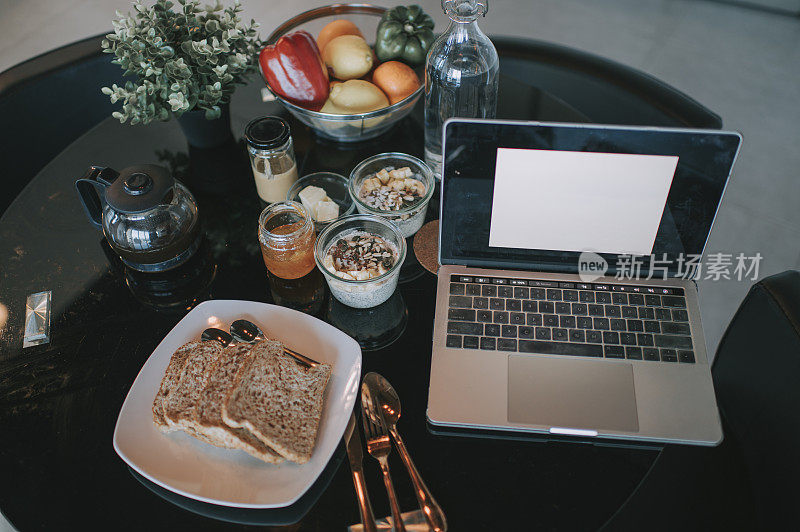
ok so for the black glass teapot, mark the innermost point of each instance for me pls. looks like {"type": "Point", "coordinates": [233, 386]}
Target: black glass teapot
{"type": "Point", "coordinates": [148, 217]}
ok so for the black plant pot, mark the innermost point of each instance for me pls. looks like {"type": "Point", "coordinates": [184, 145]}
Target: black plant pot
{"type": "Point", "coordinates": [202, 133]}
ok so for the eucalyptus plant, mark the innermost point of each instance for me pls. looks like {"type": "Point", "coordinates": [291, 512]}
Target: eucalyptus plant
{"type": "Point", "coordinates": [190, 58]}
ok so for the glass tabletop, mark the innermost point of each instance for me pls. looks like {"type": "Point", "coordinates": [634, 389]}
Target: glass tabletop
{"type": "Point", "coordinates": [60, 400]}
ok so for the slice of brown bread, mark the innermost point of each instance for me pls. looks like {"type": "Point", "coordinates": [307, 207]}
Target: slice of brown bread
{"type": "Point", "coordinates": [207, 419]}
{"type": "Point", "coordinates": [181, 403]}
{"type": "Point", "coordinates": [170, 380]}
{"type": "Point", "coordinates": [278, 400]}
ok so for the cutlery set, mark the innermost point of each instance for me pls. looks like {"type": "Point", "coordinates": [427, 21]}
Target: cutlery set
{"type": "Point", "coordinates": [380, 411]}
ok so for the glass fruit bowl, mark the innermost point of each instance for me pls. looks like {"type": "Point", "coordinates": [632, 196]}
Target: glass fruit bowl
{"type": "Point", "coordinates": [345, 128]}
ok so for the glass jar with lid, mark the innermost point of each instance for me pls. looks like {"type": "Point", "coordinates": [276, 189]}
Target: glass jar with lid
{"type": "Point", "coordinates": [287, 237]}
{"type": "Point", "coordinates": [269, 143]}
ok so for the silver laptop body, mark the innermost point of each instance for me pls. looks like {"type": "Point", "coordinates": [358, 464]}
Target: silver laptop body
{"type": "Point", "coordinates": [551, 391]}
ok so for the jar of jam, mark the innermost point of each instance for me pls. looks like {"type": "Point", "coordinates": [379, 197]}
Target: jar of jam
{"type": "Point", "coordinates": [286, 235]}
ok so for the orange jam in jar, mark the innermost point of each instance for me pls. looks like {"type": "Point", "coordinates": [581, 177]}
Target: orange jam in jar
{"type": "Point", "coordinates": [286, 235]}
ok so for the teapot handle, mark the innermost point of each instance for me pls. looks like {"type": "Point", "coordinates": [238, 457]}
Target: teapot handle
{"type": "Point", "coordinates": [91, 191]}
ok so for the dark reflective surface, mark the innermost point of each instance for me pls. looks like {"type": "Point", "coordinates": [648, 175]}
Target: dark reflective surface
{"type": "Point", "coordinates": [373, 328]}
{"type": "Point", "coordinates": [175, 290]}
{"type": "Point", "coordinates": [59, 402]}
{"type": "Point", "coordinates": [289, 515]}
{"type": "Point", "coordinates": [305, 294]}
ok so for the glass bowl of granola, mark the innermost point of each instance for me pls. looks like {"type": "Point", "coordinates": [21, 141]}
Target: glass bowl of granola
{"type": "Point", "coordinates": [360, 257]}
{"type": "Point", "coordinates": [394, 186]}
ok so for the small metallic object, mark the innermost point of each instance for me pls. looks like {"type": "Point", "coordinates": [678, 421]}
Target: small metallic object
{"type": "Point", "coordinates": [356, 454]}
{"type": "Point", "coordinates": [388, 403]}
{"type": "Point", "coordinates": [379, 446]}
{"type": "Point", "coordinates": [246, 331]}
{"type": "Point", "coordinates": [213, 334]}
{"type": "Point", "coordinates": [37, 319]}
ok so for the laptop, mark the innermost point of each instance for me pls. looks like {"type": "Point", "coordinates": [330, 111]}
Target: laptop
{"type": "Point", "coordinates": [566, 299]}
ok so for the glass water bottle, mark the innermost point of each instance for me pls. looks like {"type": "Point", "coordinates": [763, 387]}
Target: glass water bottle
{"type": "Point", "coordinates": [460, 75]}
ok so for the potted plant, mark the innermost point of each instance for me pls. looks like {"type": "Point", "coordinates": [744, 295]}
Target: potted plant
{"type": "Point", "coordinates": [187, 64]}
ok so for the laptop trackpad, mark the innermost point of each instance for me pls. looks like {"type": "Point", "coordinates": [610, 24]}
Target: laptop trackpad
{"type": "Point", "coordinates": [568, 393]}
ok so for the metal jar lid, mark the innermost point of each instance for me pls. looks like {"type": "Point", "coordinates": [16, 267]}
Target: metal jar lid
{"type": "Point", "coordinates": [267, 132]}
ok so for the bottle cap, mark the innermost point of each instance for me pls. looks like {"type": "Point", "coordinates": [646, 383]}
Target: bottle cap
{"type": "Point", "coordinates": [267, 132]}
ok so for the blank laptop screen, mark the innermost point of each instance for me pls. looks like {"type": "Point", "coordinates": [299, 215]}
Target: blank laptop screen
{"type": "Point", "coordinates": [534, 196]}
{"type": "Point", "coordinates": [593, 195]}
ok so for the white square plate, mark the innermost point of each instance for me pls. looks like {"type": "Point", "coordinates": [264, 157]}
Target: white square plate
{"type": "Point", "coordinates": [189, 467]}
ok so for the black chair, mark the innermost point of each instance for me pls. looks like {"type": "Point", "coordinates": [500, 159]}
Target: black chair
{"type": "Point", "coordinates": [46, 103]}
{"type": "Point", "coordinates": [750, 481]}
{"type": "Point", "coordinates": [604, 90]}
{"type": "Point", "coordinates": [757, 378]}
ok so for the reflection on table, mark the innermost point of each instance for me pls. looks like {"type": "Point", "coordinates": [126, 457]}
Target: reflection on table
{"type": "Point", "coordinates": [373, 328]}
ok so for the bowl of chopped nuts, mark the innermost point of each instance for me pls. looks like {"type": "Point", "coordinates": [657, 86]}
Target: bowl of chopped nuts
{"type": "Point", "coordinates": [394, 186]}
{"type": "Point", "coordinates": [361, 256]}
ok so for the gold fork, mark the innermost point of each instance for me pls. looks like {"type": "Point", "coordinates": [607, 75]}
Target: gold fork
{"type": "Point", "coordinates": [378, 446]}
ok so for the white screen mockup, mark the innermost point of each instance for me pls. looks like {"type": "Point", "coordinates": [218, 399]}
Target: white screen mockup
{"type": "Point", "coordinates": [579, 201]}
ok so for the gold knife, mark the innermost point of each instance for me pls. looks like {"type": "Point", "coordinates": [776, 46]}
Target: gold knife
{"type": "Point", "coordinates": [356, 454]}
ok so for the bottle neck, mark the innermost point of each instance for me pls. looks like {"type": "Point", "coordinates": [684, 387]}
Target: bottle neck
{"type": "Point", "coordinates": [465, 11]}
{"type": "Point", "coordinates": [461, 31]}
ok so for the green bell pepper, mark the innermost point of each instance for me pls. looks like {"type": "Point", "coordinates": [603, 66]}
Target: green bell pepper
{"type": "Point", "coordinates": [405, 34]}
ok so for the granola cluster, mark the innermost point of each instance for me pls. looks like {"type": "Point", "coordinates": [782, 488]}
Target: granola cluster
{"type": "Point", "coordinates": [392, 189]}
{"type": "Point", "coordinates": [359, 256]}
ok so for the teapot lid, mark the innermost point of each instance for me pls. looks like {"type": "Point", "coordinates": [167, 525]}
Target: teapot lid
{"type": "Point", "coordinates": [139, 188]}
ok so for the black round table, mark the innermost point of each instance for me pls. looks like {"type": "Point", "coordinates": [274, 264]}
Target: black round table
{"type": "Point", "coordinates": [59, 401]}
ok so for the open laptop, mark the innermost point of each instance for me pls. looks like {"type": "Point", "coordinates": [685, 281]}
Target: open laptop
{"type": "Point", "coordinates": [545, 318]}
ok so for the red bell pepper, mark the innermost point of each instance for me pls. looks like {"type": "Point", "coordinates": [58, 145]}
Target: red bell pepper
{"type": "Point", "coordinates": [293, 68]}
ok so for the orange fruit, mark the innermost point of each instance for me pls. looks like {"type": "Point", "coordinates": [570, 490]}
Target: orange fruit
{"type": "Point", "coordinates": [334, 29]}
{"type": "Point", "coordinates": [396, 79]}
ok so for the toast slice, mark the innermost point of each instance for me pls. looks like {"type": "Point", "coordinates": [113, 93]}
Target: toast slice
{"type": "Point", "coordinates": [207, 419]}
{"type": "Point", "coordinates": [181, 403]}
{"type": "Point", "coordinates": [278, 401]}
{"type": "Point", "coordinates": [170, 381]}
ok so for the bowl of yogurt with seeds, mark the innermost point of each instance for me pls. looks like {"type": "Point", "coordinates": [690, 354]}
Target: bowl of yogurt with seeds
{"type": "Point", "coordinates": [394, 186]}
{"type": "Point", "coordinates": [360, 257]}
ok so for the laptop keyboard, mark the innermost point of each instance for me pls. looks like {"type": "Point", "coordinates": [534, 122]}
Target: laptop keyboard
{"type": "Point", "coordinates": [563, 318]}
